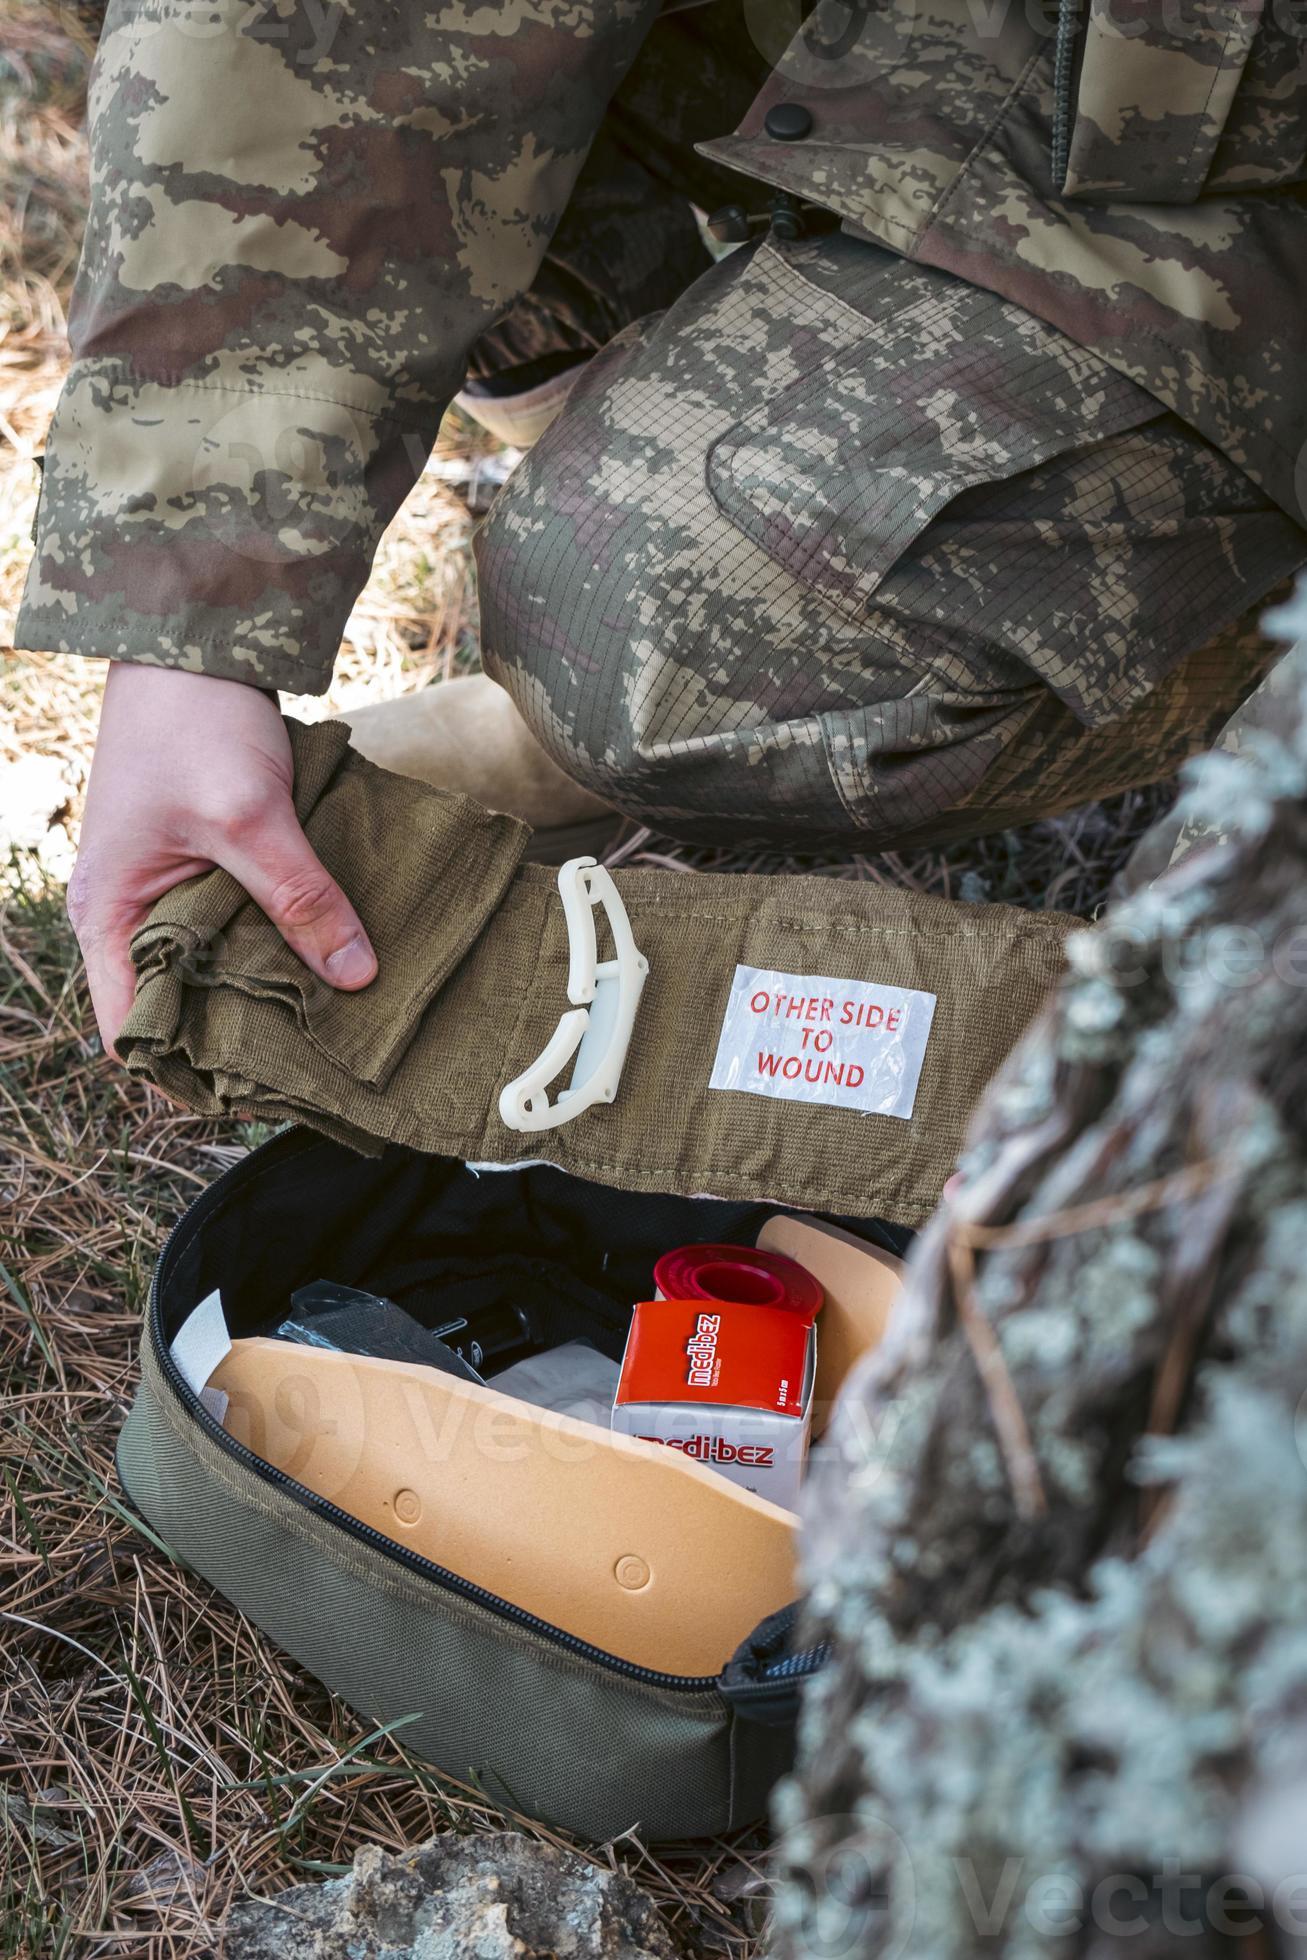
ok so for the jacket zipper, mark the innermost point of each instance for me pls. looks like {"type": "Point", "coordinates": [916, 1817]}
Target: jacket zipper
{"type": "Point", "coordinates": [1066, 41]}
{"type": "Point", "coordinates": [355, 1528]}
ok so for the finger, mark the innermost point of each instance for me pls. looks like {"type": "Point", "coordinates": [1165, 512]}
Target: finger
{"type": "Point", "coordinates": [111, 977]}
{"type": "Point", "coordinates": [284, 876]}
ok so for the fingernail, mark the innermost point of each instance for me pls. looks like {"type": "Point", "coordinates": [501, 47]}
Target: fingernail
{"type": "Point", "coordinates": [351, 965]}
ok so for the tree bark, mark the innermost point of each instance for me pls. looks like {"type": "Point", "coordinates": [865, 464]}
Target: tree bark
{"type": "Point", "coordinates": [1060, 1541]}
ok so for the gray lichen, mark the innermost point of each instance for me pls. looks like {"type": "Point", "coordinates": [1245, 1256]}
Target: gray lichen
{"type": "Point", "coordinates": [1068, 1606]}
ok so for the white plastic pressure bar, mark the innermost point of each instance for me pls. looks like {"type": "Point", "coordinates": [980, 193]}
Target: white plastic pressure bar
{"type": "Point", "coordinates": [604, 999]}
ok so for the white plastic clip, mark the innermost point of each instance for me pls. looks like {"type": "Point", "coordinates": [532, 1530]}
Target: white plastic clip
{"type": "Point", "coordinates": [604, 999]}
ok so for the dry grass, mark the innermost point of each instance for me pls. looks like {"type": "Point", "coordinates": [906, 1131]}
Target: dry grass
{"type": "Point", "coordinates": [157, 1754]}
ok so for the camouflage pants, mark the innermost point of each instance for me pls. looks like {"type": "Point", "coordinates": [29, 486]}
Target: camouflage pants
{"type": "Point", "coordinates": [839, 548]}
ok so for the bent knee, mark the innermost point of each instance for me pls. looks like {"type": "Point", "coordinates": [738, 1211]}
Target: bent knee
{"type": "Point", "coordinates": [560, 623]}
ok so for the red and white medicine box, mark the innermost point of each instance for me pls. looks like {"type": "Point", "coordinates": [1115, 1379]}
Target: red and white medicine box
{"type": "Point", "coordinates": [731, 1385]}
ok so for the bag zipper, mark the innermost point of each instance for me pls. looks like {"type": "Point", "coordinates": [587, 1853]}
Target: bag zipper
{"type": "Point", "coordinates": [354, 1527]}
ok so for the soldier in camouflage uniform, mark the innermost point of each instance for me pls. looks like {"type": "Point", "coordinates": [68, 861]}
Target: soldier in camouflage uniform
{"type": "Point", "coordinates": [947, 498]}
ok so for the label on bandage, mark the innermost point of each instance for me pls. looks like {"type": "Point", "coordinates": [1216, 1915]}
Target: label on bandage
{"type": "Point", "coordinates": [806, 1038]}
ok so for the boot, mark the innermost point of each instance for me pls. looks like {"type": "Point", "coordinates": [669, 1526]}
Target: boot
{"type": "Point", "coordinates": [467, 735]}
{"type": "Point", "coordinates": [514, 412]}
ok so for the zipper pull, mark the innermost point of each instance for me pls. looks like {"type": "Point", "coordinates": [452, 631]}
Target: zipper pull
{"type": "Point", "coordinates": [765, 1675]}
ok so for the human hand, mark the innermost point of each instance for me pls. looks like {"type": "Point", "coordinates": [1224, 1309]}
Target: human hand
{"type": "Point", "coordinates": [190, 772]}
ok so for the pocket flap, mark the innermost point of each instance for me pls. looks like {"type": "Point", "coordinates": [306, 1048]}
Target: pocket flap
{"type": "Point", "coordinates": [836, 476]}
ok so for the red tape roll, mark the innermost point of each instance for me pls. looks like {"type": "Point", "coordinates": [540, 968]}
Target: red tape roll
{"type": "Point", "coordinates": [738, 1275]}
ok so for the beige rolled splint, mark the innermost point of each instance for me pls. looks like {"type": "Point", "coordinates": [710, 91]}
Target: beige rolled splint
{"type": "Point", "coordinates": [625, 1544]}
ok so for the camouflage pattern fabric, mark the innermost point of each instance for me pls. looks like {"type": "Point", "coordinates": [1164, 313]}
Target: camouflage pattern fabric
{"type": "Point", "coordinates": [1262, 718]}
{"type": "Point", "coordinates": [304, 222]}
{"type": "Point", "coordinates": [627, 245]}
{"type": "Point", "coordinates": [300, 223]}
{"type": "Point", "coordinates": [840, 549]}
{"type": "Point", "coordinates": [1172, 104]}
{"type": "Point", "coordinates": [1132, 171]}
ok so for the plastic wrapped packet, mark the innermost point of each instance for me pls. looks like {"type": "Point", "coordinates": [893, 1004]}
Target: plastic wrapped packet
{"type": "Point", "coordinates": [351, 1321]}
{"type": "Point", "coordinates": [573, 1380]}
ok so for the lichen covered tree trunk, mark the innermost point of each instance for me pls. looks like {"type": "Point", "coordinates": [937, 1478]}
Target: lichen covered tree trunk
{"type": "Point", "coordinates": [1060, 1541]}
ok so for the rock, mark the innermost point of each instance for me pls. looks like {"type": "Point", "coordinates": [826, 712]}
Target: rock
{"type": "Point", "coordinates": [22, 1818]}
{"type": "Point", "coordinates": [490, 1897]}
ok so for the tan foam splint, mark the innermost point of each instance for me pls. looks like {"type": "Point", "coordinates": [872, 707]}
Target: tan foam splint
{"type": "Point", "coordinates": [626, 1544]}
{"type": "Point", "coordinates": [861, 1284]}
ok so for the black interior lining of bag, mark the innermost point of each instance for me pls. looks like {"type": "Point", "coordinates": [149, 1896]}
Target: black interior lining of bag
{"type": "Point", "coordinates": [438, 1238]}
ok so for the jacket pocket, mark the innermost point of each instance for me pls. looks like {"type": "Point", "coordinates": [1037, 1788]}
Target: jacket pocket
{"type": "Point", "coordinates": [937, 393]}
{"type": "Point", "coordinates": [1149, 96]}
{"type": "Point", "coordinates": [953, 389]}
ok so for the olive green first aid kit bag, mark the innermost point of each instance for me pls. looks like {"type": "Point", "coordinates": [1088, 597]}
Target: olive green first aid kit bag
{"type": "Point", "coordinates": [555, 1078]}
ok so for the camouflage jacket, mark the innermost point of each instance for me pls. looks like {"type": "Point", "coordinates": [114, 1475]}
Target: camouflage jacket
{"type": "Point", "coordinates": [303, 216]}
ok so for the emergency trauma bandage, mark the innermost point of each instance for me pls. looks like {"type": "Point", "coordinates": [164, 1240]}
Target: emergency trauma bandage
{"type": "Point", "coordinates": [813, 1039]}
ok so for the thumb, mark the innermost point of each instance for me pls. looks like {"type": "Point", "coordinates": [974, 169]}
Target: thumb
{"type": "Point", "coordinates": [286, 879]}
